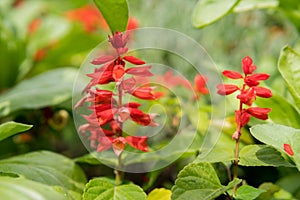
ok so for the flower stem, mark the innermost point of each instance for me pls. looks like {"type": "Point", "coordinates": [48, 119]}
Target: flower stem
{"type": "Point", "coordinates": [119, 174]}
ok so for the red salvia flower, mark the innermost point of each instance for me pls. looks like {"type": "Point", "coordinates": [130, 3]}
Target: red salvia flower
{"type": "Point", "coordinates": [288, 149]}
{"type": "Point", "coordinates": [104, 124]}
{"type": "Point", "coordinates": [247, 94]}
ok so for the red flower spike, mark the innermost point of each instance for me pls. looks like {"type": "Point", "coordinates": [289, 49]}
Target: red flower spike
{"type": "Point", "coordinates": [139, 71]}
{"type": "Point", "coordinates": [200, 83]}
{"type": "Point", "coordinates": [263, 92]}
{"type": "Point", "coordinates": [118, 145]}
{"type": "Point", "coordinates": [133, 60]}
{"type": "Point", "coordinates": [260, 113]}
{"type": "Point", "coordinates": [138, 142]}
{"type": "Point", "coordinates": [102, 59]}
{"type": "Point", "coordinates": [288, 149]}
{"type": "Point", "coordinates": [118, 72]}
{"type": "Point", "coordinates": [226, 89]}
{"type": "Point", "coordinates": [232, 74]}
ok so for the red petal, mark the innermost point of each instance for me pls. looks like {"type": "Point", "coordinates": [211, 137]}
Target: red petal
{"type": "Point", "coordinates": [247, 96]}
{"type": "Point", "coordinates": [242, 118]}
{"type": "Point", "coordinates": [259, 77]}
{"type": "Point", "coordinates": [102, 60]}
{"type": "Point", "coordinates": [288, 149]}
{"type": "Point", "coordinates": [133, 105]}
{"type": "Point", "coordinates": [247, 66]}
{"type": "Point", "coordinates": [140, 71]}
{"type": "Point", "coordinates": [143, 93]}
{"type": "Point", "coordinates": [139, 117]}
{"type": "Point", "coordinates": [138, 142]}
{"type": "Point", "coordinates": [118, 72]}
{"type": "Point", "coordinates": [263, 92]}
{"type": "Point", "coordinates": [134, 60]}
{"type": "Point", "coordinates": [232, 74]}
{"type": "Point", "coordinates": [225, 89]}
{"type": "Point", "coordinates": [260, 113]}
{"type": "Point", "coordinates": [200, 83]}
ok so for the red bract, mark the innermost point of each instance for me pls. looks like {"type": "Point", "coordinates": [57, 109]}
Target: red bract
{"type": "Point", "coordinates": [248, 92]}
{"type": "Point", "coordinates": [109, 112]}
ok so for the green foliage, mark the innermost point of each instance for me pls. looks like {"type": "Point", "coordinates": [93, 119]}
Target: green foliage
{"type": "Point", "coordinates": [209, 11]}
{"type": "Point", "coordinates": [102, 188]}
{"type": "Point", "coordinates": [278, 135]}
{"type": "Point", "coordinates": [47, 89]}
{"type": "Point", "coordinates": [289, 67]}
{"type": "Point", "coordinates": [21, 188]}
{"type": "Point", "coordinates": [46, 167]}
{"type": "Point", "coordinates": [159, 194]}
{"type": "Point", "coordinates": [247, 192]}
{"type": "Point", "coordinates": [199, 181]}
{"type": "Point", "coordinates": [262, 155]}
{"type": "Point", "coordinates": [115, 13]}
{"type": "Point", "coordinates": [11, 128]}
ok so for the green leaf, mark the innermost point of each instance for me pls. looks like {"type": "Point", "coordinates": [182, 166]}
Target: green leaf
{"type": "Point", "coordinates": [46, 89]}
{"type": "Point", "coordinates": [159, 194]}
{"type": "Point", "coordinates": [47, 168]}
{"type": "Point", "coordinates": [289, 67]}
{"type": "Point", "coordinates": [291, 9]}
{"type": "Point", "coordinates": [102, 188]}
{"type": "Point", "coordinates": [115, 13]}
{"type": "Point", "coordinates": [199, 181]}
{"type": "Point", "coordinates": [282, 111]}
{"type": "Point", "coordinates": [11, 128]}
{"type": "Point", "coordinates": [207, 12]}
{"type": "Point", "coordinates": [246, 5]}
{"type": "Point", "coordinates": [262, 155]}
{"type": "Point", "coordinates": [273, 191]}
{"type": "Point", "coordinates": [278, 135]}
{"type": "Point", "coordinates": [247, 192]}
{"type": "Point", "coordinates": [21, 188]}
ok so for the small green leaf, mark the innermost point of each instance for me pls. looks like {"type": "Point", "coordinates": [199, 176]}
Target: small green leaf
{"type": "Point", "coordinates": [21, 188]}
{"type": "Point", "coordinates": [277, 135]}
{"type": "Point", "coordinates": [47, 168]}
{"type": "Point", "coordinates": [199, 181]}
{"type": "Point", "coordinates": [246, 5]}
{"type": "Point", "coordinates": [282, 111]}
{"type": "Point", "coordinates": [115, 13]}
{"type": "Point", "coordinates": [11, 128]}
{"type": "Point", "coordinates": [262, 155]}
{"type": "Point", "coordinates": [207, 12]}
{"type": "Point", "coordinates": [46, 89]}
{"type": "Point", "coordinates": [247, 192]}
{"type": "Point", "coordinates": [160, 194]}
{"type": "Point", "coordinates": [103, 188]}
{"type": "Point", "coordinates": [289, 67]}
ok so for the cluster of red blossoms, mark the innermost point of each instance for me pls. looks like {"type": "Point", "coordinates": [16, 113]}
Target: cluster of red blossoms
{"type": "Point", "coordinates": [247, 93]}
{"type": "Point", "coordinates": [109, 112]}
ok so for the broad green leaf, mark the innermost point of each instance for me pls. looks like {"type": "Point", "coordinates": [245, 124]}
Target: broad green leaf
{"type": "Point", "coordinates": [47, 168]}
{"type": "Point", "coordinates": [199, 181]}
{"type": "Point", "coordinates": [102, 188]}
{"type": "Point", "coordinates": [273, 192]}
{"type": "Point", "coordinates": [262, 155]}
{"type": "Point", "coordinates": [282, 111]}
{"type": "Point", "coordinates": [46, 89]}
{"type": "Point", "coordinates": [246, 5]}
{"type": "Point", "coordinates": [11, 128]}
{"type": "Point", "coordinates": [159, 194]}
{"type": "Point", "coordinates": [247, 192]}
{"type": "Point", "coordinates": [278, 135]}
{"type": "Point", "coordinates": [115, 13]}
{"type": "Point", "coordinates": [23, 189]}
{"type": "Point", "coordinates": [289, 67]}
{"type": "Point", "coordinates": [207, 12]}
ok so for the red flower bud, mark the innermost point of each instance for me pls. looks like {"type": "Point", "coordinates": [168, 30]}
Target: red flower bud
{"type": "Point", "coordinates": [260, 113]}
{"type": "Point", "coordinates": [225, 89]}
{"type": "Point", "coordinates": [247, 66]}
{"type": "Point", "coordinates": [102, 59]}
{"type": "Point", "coordinates": [118, 145]}
{"type": "Point", "coordinates": [134, 60]}
{"type": "Point", "coordinates": [242, 118]}
{"type": "Point", "coordinates": [200, 83]}
{"type": "Point", "coordinates": [139, 71]}
{"type": "Point", "coordinates": [263, 92]}
{"type": "Point", "coordinates": [232, 74]}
